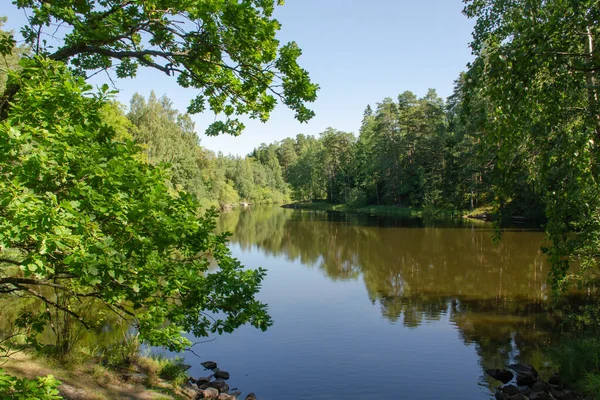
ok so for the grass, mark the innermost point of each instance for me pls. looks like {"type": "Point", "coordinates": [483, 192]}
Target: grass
{"type": "Point", "coordinates": [579, 364]}
{"type": "Point", "coordinates": [104, 376]}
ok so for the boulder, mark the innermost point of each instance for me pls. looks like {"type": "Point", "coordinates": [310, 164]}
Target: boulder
{"type": "Point", "coordinates": [502, 375]}
{"type": "Point", "coordinates": [225, 396]}
{"type": "Point", "coordinates": [251, 396]}
{"type": "Point", "coordinates": [202, 380]}
{"type": "Point", "coordinates": [209, 364]}
{"type": "Point", "coordinates": [539, 386]}
{"type": "Point", "coordinates": [510, 390]}
{"type": "Point", "coordinates": [524, 369]}
{"type": "Point", "coordinates": [561, 394]}
{"type": "Point", "coordinates": [220, 385]}
{"type": "Point", "coordinates": [189, 391]}
{"type": "Point", "coordinates": [525, 379]}
{"type": "Point", "coordinates": [221, 374]}
{"type": "Point", "coordinates": [210, 393]}
{"type": "Point", "coordinates": [498, 395]}
{"type": "Point", "coordinates": [539, 396]}
{"type": "Point", "coordinates": [555, 380]}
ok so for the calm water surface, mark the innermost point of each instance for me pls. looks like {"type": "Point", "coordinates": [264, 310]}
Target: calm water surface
{"type": "Point", "coordinates": [369, 307]}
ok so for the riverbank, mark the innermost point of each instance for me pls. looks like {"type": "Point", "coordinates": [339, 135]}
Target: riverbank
{"type": "Point", "coordinates": [90, 380]}
{"type": "Point", "coordinates": [483, 214]}
{"type": "Point", "coordinates": [392, 211]}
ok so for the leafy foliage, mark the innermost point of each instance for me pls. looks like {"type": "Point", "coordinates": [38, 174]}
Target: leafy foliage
{"type": "Point", "coordinates": [227, 50]}
{"type": "Point", "coordinates": [90, 221]}
{"type": "Point", "coordinates": [41, 388]}
{"type": "Point", "coordinates": [537, 71]}
{"type": "Point", "coordinates": [9, 54]}
{"type": "Point", "coordinates": [407, 154]}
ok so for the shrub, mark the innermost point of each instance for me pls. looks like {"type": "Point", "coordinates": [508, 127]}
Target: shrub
{"type": "Point", "coordinates": [40, 388]}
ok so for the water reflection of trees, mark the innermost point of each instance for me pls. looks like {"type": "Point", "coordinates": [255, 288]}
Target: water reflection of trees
{"type": "Point", "coordinates": [494, 293]}
{"type": "Point", "coordinates": [431, 262]}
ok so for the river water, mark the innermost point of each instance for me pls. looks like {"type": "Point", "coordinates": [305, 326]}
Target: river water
{"type": "Point", "coordinates": [382, 308]}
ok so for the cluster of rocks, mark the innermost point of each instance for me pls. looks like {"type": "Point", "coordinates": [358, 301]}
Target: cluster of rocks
{"type": "Point", "coordinates": [214, 386]}
{"type": "Point", "coordinates": [521, 382]}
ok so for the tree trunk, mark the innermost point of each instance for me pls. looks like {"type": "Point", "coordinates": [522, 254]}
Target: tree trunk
{"type": "Point", "coordinates": [591, 84]}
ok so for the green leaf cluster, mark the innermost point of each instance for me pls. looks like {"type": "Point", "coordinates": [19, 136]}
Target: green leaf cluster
{"type": "Point", "coordinates": [92, 221]}
{"type": "Point", "coordinates": [41, 388]}
{"type": "Point", "coordinates": [536, 72]}
{"type": "Point", "coordinates": [226, 50]}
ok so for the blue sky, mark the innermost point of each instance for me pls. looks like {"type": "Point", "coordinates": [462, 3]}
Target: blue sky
{"type": "Point", "coordinates": [358, 51]}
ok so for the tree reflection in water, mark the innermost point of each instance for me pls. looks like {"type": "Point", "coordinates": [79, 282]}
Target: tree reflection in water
{"type": "Point", "coordinates": [418, 271]}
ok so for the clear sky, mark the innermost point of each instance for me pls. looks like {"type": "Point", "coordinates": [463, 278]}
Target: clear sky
{"type": "Point", "coordinates": [358, 51]}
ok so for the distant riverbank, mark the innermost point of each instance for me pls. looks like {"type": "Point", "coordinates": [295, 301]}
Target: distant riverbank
{"type": "Point", "coordinates": [483, 214]}
{"type": "Point", "coordinates": [394, 211]}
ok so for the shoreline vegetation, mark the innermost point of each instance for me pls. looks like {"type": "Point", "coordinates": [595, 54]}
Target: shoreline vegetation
{"type": "Point", "coordinates": [100, 202]}
{"type": "Point", "coordinates": [86, 379]}
{"type": "Point", "coordinates": [126, 373]}
{"type": "Point", "coordinates": [483, 214]}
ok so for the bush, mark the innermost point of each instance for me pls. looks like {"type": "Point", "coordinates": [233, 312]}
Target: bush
{"type": "Point", "coordinates": [357, 198]}
{"type": "Point", "coordinates": [40, 388]}
{"type": "Point", "coordinates": [579, 364]}
{"type": "Point", "coordinates": [123, 354]}
{"type": "Point", "coordinates": [173, 370]}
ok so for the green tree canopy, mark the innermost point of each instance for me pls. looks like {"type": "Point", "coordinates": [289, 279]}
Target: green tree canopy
{"type": "Point", "coordinates": [83, 220]}
{"type": "Point", "coordinates": [226, 50]}
{"type": "Point", "coordinates": [536, 73]}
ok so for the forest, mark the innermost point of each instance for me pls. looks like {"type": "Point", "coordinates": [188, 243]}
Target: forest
{"type": "Point", "coordinates": [113, 206]}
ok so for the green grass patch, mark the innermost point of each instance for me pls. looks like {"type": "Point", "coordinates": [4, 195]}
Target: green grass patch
{"type": "Point", "coordinates": [579, 364]}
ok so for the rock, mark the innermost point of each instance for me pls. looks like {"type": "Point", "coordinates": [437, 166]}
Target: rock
{"type": "Point", "coordinates": [210, 393]}
{"type": "Point", "coordinates": [539, 386]}
{"type": "Point", "coordinates": [204, 385]}
{"type": "Point", "coordinates": [555, 380]}
{"type": "Point", "coordinates": [562, 394]}
{"type": "Point", "coordinates": [525, 390]}
{"type": "Point", "coordinates": [236, 393]}
{"type": "Point", "coordinates": [202, 380]}
{"type": "Point", "coordinates": [498, 395]}
{"type": "Point", "coordinates": [502, 375]}
{"type": "Point", "coordinates": [539, 396]}
{"type": "Point", "coordinates": [516, 397]}
{"type": "Point", "coordinates": [220, 385]}
{"type": "Point", "coordinates": [510, 390]}
{"type": "Point", "coordinates": [209, 364]}
{"type": "Point", "coordinates": [189, 391]}
{"type": "Point", "coordinates": [224, 396]}
{"type": "Point", "coordinates": [221, 375]}
{"type": "Point", "coordinates": [525, 380]}
{"type": "Point", "coordinates": [251, 396]}
{"type": "Point", "coordinates": [524, 369]}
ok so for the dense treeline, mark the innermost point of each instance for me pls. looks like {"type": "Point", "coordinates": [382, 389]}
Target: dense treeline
{"type": "Point", "coordinates": [409, 152]}
{"type": "Point", "coordinates": [169, 137]}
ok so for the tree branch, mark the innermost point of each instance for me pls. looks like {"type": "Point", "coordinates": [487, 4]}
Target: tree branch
{"type": "Point", "coordinates": [52, 303]}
